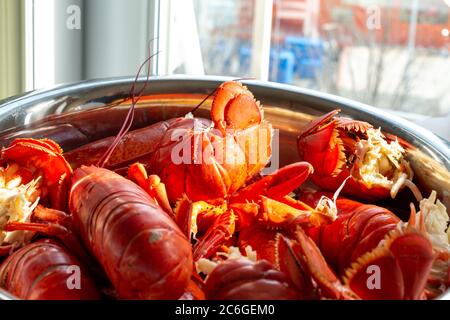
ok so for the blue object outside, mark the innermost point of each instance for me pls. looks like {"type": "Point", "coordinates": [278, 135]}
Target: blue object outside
{"type": "Point", "coordinates": [297, 57]}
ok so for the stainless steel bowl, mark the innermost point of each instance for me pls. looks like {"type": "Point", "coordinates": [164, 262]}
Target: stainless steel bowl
{"type": "Point", "coordinates": [75, 114]}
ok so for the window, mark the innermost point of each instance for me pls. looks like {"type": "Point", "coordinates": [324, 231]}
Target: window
{"type": "Point", "coordinates": [391, 54]}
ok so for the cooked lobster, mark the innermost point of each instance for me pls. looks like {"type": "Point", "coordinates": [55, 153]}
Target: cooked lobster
{"type": "Point", "coordinates": [202, 159]}
{"type": "Point", "coordinates": [139, 246]}
{"type": "Point", "coordinates": [256, 211]}
{"type": "Point", "coordinates": [366, 236]}
{"type": "Point", "coordinates": [339, 148]}
{"type": "Point", "coordinates": [298, 245]}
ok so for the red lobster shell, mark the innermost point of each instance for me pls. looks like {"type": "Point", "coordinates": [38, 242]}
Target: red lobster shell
{"type": "Point", "coordinates": [41, 271]}
{"type": "Point", "coordinates": [339, 148]}
{"type": "Point", "coordinates": [139, 246]}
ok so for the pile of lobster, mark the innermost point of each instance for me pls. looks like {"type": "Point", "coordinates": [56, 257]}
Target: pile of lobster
{"type": "Point", "coordinates": [180, 210]}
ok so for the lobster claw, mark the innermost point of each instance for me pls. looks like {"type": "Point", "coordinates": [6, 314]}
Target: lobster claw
{"type": "Point", "coordinates": [317, 123]}
{"type": "Point", "coordinates": [234, 107]}
{"type": "Point", "coordinates": [217, 235]}
{"type": "Point", "coordinates": [198, 216]}
{"type": "Point", "coordinates": [320, 145]}
{"type": "Point", "coordinates": [301, 260]}
{"type": "Point", "coordinates": [261, 239]}
{"type": "Point", "coordinates": [217, 224]}
{"type": "Point", "coordinates": [276, 185]}
{"type": "Point", "coordinates": [43, 157]}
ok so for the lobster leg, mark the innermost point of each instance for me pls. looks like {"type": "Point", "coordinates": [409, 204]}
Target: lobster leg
{"type": "Point", "coordinates": [43, 214]}
{"type": "Point", "coordinates": [56, 224]}
{"type": "Point", "coordinates": [218, 234]}
{"type": "Point", "coordinates": [302, 261]}
{"type": "Point", "coordinates": [151, 184]}
{"type": "Point", "coordinates": [194, 217]}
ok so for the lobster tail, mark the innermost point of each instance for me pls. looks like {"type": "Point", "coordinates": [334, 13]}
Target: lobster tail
{"type": "Point", "coordinates": [139, 246]}
{"type": "Point", "coordinates": [397, 269]}
{"type": "Point", "coordinates": [43, 270]}
{"type": "Point", "coordinates": [242, 279]}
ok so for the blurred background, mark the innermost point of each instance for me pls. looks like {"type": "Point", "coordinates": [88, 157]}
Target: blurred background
{"type": "Point", "coordinates": [392, 54]}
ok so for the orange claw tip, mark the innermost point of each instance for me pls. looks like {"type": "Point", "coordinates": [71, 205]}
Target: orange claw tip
{"type": "Point", "coordinates": [137, 170]}
{"type": "Point", "coordinates": [318, 122]}
{"type": "Point", "coordinates": [277, 184]}
{"type": "Point", "coordinates": [277, 214]}
{"type": "Point", "coordinates": [151, 184]}
{"type": "Point", "coordinates": [289, 178]}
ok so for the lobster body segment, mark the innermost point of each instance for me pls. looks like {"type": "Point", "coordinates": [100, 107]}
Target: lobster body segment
{"type": "Point", "coordinates": [242, 279]}
{"type": "Point", "coordinates": [140, 247]}
{"type": "Point", "coordinates": [42, 270]}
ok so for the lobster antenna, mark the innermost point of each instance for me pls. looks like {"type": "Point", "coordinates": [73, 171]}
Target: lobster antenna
{"type": "Point", "coordinates": [130, 114]}
{"type": "Point", "coordinates": [128, 97]}
{"type": "Point", "coordinates": [212, 92]}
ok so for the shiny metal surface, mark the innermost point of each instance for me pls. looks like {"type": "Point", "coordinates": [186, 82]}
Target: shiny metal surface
{"type": "Point", "coordinates": [5, 295]}
{"type": "Point", "coordinates": [74, 114]}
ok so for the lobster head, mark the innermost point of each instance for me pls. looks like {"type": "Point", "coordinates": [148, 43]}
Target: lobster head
{"type": "Point", "coordinates": [339, 148]}
{"type": "Point", "coordinates": [41, 161]}
{"type": "Point", "coordinates": [208, 160]}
